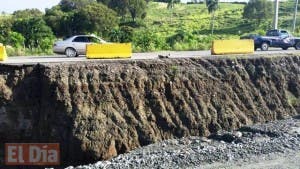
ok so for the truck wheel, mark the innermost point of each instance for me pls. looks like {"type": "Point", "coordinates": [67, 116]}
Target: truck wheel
{"type": "Point", "coordinates": [285, 48]}
{"type": "Point", "coordinates": [264, 46]}
{"type": "Point", "coordinates": [297, 46]}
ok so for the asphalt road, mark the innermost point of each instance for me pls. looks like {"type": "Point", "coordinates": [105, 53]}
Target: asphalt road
{"type": "Point", "coordinates": [17, 60]}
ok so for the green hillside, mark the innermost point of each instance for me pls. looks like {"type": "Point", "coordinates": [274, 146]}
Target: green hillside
{"type": "Point", "coordinates": [192, 17]}
{"type": "Point", "coordinates": [187, 26]}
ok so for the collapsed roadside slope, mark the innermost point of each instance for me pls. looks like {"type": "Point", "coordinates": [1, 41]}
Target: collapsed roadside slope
{"type": "Point", "coordinates": [264, 146]}
{"type": "Point", "coordinates": [97, 110]}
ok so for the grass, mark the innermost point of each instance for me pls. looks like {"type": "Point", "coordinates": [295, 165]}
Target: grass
{"type": "Point", "coordinates": [292, 99]}
{"type": "Point", "coordinates": [26, 51]}
{"type": "Point", "coordinates": [192, 18]}
{"type": "Point", "coordinates": [194, 21]}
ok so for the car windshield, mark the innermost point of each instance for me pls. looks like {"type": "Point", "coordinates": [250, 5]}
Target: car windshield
{"type": "Point", "coordinates": [284, 34]}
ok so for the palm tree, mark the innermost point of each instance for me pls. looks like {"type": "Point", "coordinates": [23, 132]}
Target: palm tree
{"type": "Point", "coordinates": [212, 6]}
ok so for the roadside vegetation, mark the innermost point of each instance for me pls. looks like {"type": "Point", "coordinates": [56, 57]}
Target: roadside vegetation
{"type": "Point", "coordinates": [149, 25]}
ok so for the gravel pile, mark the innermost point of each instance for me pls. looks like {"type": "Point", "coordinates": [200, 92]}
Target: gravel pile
{"type": "Point", "coordinates": [248, 144]}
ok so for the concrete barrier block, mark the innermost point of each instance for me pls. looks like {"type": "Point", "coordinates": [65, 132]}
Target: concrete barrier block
{"type": "Point", "coordinates": [3, 55]}
{"type": "Point", "coordinates": [109, 51]}
{"type": "Point", "coordinates": [223, 47]}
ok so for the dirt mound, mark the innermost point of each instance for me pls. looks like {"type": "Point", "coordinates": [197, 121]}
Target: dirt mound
{"type": "Point", "coordinates": [97, 110]}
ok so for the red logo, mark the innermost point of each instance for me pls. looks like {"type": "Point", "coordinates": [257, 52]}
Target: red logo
{"type": "Point", "coordinates": [46, 154]}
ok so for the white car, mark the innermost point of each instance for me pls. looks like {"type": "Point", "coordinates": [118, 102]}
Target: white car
{"type": "Point", "coordinates": [75, 45]}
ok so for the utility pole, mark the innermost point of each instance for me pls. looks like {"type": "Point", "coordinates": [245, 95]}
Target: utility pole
{"type": "Point", "coordinates": [295, 16]}
{"type": "Point", "coordinates": [275, 22]}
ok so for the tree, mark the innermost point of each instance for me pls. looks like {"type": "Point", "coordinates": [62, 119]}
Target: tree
{"type": "Point", "coordinates": [9, 37]}
{"type": "Point", "coordinates": [92, 18]}
{"type": "Point", "coordinates": [59, 21]}
{"type": "Point", "coordinates": [212, 6]}
{"type": "Point", "coordinates": [35, 31]}
{"type": "Point", "coordinates": [69, 5]}
{"type": "Point", "coordinates": [95, 17]}
{"type": "Point", "coordinates": [258, 10]}
{"type": "Point", "coordinates": [5, 28]}
{"type": "Point", "coordinates": [120, 6]}
{"type": "Point", "coordinates": [137, 8]}
{"type": "Point", "coordinates": [27, 13]}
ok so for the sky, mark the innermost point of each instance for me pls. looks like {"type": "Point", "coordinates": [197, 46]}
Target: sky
{"type": "Point", "coordinates": [12, 5]}
{"type": "Point", "coordinates": [9, 6]}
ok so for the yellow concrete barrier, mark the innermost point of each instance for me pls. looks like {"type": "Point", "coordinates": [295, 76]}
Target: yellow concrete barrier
{"type": "Point", "coordinates": [223, 47]}
{"type": "Point", "coordinates": [108, 51]}
{"type": "Point", "coordinates": [3, 55]}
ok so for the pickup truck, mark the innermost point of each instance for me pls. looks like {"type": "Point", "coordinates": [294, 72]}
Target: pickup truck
{"type": "Point", "coordinates": [274, 38]}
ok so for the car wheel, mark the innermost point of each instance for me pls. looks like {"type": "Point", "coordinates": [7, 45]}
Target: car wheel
{"type": "Point", "coordinates": [70, 52]}
{"type": "Point", "coordinates": [255, 48]}
{"type": "Point", "coordinates": [297, 46]}
{"type": "Point", "coordinates": [285, 48]}
{"type": "Point", "coordinates": [264, 46]}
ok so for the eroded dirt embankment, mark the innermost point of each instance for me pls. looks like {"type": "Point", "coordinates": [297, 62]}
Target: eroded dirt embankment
{"type": "Point", "coordinates": [97, 110]}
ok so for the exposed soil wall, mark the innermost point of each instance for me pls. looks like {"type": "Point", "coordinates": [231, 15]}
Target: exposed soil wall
{"type": "Point", "coordinates": [97, 110]}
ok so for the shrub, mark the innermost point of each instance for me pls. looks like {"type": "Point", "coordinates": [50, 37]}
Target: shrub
{"type": "Point", "coordinates": [148, 41]}
{"type": "Point", "coordinates": [183, 40]}
{"type": "Point", "coordinates": [16, 39]}
{"type": "Point", "coordinates": [37, 34]}
{"type": "Point", "coordinates": [12, 51]}
{"type": "Point", "coordinates": [46, 44]}
{"type": "Point", "coordinates": [123, 34]}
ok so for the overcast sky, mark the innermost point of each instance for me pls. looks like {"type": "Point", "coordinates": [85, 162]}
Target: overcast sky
{"type": "Point", "coordinates": [9, 6]}
{"type": "Point", "coordinates": [12, 5]}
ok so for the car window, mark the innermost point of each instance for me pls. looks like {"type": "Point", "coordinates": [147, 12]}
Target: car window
{"type": "Point", "coordinates": [272, 33]}
{"type": "Point", "coordinates": [81, 39]}
{"type": "Point", "coordinates": [94, 40]}
{"type": "Point", "coordinates": [284, 33]}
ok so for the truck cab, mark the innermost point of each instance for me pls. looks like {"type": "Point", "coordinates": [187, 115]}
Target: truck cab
{"type": "Point", "coordinates": [278, 33]}
{"type": "Point", "coordinates": [280, 39]}
{"type": "Point", "coordinates": [276, 38]}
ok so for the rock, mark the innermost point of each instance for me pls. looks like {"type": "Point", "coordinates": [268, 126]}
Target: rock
{"type": "Point", "coordinates": [163, 56]}
{"type": "Point", "coordinates": [205, 139]}
{"type": "Point", "coordinates": [238, 134]}
{"type": "Point", "coordinates": [218, 153]}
